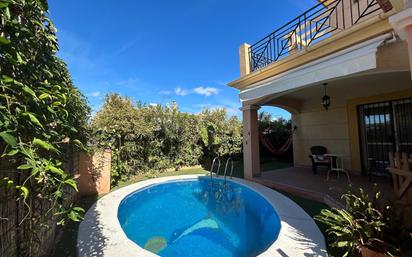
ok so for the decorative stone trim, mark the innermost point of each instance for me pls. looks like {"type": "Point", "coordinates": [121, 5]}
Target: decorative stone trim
{"type": "Point", "coordinates": [100, 234]}
{"type": "Point", "coordinates": [249, 107]}
{"type": "Point", "coordinates": [401, 21]}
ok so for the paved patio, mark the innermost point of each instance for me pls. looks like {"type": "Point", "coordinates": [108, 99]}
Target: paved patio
{"type": "Point", "coordinates": [302, 182]}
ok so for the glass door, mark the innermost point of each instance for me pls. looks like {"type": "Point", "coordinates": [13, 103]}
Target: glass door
{"type": "Point", "coordinates": [384, 127]}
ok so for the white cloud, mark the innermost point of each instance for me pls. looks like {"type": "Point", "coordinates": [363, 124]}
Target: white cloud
{"type": "Point", "coordinates": [130, 82]}
{"type": "Point", "coordinates": [165, 92]}
{"type": "Point", "coordinates": [181, 92]}
{"type": "Point", "coordinates": [206, 91]}
{"type": "Point", "coordinates": [95, 94]}
{"type": "Point", "coordinates": [202, 106]}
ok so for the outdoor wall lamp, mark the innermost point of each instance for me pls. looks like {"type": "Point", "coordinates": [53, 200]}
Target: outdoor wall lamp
{"type": "Point", "coordinates": [325, 102]}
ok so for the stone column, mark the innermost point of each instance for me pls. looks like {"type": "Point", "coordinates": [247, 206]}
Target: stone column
{"type": "Point", "coordinates": [244, 59]}
{"type": "Point", "coordinates": [251, 156]}
{"type": "Point", "coordinates": [402, 23]}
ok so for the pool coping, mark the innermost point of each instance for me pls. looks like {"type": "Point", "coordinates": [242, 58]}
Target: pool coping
{"type": "Point", "coordinates": [100, 233]}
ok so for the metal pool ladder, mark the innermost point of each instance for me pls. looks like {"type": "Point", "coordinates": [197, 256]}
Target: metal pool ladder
{"type": "Point", "coordinates": [231, 168]}
{"type": "Point", "coordinates": [213, 165]}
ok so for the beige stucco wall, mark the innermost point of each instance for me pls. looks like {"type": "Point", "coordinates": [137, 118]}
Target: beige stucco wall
{"type": "Point", "coordinates": [328, 129]}
{"type": "Point", "coordinates": [94, 172]}
{"type": "Point", "coordinates": [337, 128]}
{"type": "Point", "coordinates": [316, 126]}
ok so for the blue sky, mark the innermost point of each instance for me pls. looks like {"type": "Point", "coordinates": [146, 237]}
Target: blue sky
{"type": "Point", "coordinates": [157, 51]}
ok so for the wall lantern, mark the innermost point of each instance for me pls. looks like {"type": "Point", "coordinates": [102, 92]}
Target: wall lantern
{"type": "Point", "coordinates": [325, 99]}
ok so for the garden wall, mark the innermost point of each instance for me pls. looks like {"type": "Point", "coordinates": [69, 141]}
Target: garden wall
{"type": "Point", "coordinates": [16, 221]}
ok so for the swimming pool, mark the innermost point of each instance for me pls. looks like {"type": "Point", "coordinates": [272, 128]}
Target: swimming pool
{"type": "Point", "coordinates": [105, 232]}
{"type": "Point", "coordinates": [199, 217]}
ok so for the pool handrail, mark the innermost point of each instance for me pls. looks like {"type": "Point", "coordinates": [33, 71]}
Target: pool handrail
{"type": "Point", "coordinates": [218, 168]}
{"type": "Point", "coordinates": [231, 169]}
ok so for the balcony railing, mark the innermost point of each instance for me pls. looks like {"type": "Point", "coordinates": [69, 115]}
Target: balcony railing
{"type": "Point", "coordinates": [315, 25]}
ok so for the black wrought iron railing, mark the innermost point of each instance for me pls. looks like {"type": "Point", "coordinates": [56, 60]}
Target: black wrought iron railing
{"type": "Point", "coordinates": [315, 25]}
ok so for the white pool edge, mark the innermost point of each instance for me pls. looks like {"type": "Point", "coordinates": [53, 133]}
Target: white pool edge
{"type": "Point", "coordinates": [100, 233]}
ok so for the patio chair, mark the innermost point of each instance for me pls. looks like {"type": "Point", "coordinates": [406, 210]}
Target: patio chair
{"type": "Point", "coordinates": [318, 158]}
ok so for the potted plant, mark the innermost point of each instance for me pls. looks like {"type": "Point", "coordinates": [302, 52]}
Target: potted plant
{"type": "Point", "coordinates": [362, 227]}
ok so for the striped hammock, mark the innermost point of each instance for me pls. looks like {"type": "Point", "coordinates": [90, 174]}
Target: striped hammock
{"type": "Point", "coordinates": [268, 145]}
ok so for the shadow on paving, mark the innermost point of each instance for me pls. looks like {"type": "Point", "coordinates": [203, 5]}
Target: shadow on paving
{"type": "Point", "coordinates": [67, 237]}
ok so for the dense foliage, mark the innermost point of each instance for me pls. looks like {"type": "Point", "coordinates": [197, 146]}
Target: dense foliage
{"type": "Point", "coordinates": [145, 138]}
{"type": "Point", "coordinates": [43, 115]}
{"type": "Point", "coordinates": [366, 223]}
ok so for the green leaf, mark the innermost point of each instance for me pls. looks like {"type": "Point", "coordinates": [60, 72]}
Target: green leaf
{"type": "Point", "coordinates": [43, 4]}
{"type": "Point", "coordinates": [9, 139]}
{"type": "Point", "coordinates": [42, 144]}
{"type": "Point", "coordinates": [71, 183]}
{"type": "Point", "coordinates": [44, 95]}
{"type": "Point", "coordinates": [10, 183]}
{"type": "Point", "coordinates": [3, 4]}
{"type": "Point", "coordinates": [19, 59]}
{"type": "Point", "coordinates": [58, 194]}
{"type": "Point", "coordinates": [24, 191]}
{"type": "Point", "coordinates": [7, 79]}
{"type": "Point", "coordinates": [35, 171]}
{"type": "Point", "coordinates": [55, 170]}
{"type": "Point", "coordinates": [78, 209]}
{"type": "Point", "coordinates": [79, 144]}
{"type": "Point", "coordinates": [33, 119]}
{"type": "Point", "coordinates": [74, 216]}
{"type": "Point", "coordinates": [11, 152]}
{"type": "Point", "coordinates": [3, 40]}
{"type": "Point", "coordinates": [25, 167]}
{"type": "Point", "coordinates": [29, 91]}
{"type": "Point", "coordinates": [6, 181]}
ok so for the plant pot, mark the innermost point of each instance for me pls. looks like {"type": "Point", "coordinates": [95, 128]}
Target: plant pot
{"type": "Point", "coordinates": [366, 252]}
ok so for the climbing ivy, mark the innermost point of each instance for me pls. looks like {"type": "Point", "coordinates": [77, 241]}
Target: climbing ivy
{"type": "Point", "coordinates": [41, 112]}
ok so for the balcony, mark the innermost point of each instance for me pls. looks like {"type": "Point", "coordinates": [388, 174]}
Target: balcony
{"type": "Point", "coordinates": [322, 21]}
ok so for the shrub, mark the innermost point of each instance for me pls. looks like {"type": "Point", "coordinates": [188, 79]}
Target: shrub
{"type": "Point", "coordinates": [145, 138]}
{"type": "Point", "coordinates": [365, 223]}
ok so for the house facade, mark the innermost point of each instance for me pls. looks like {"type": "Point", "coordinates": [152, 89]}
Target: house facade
{"type": "Point", "coordinates": [343, 71]}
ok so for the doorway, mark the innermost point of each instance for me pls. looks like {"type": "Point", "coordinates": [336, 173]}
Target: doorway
{"type": "Point", "coordinates": [384, 127]}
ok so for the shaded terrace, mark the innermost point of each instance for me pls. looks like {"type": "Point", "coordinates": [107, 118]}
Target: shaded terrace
{"type": "Point", "coordinates": [302, 182]}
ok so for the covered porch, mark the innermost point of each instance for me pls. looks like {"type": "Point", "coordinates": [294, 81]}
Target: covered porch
{"type": "Point", "coordinates": [373, 74]}
{"type": "Point", "coordinates": [302, 182]}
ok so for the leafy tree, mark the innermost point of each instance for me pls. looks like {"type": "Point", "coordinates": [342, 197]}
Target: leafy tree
{"type": "Point", "coordinates": [221, 135]}
{"type": "Point", "coordinates": [146, 139]}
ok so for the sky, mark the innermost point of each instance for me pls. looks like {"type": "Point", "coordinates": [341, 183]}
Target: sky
{"type": "Point", "coordinates": [159, 51]}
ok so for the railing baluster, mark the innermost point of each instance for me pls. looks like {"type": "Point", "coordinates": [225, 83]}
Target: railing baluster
{"type": "Point", "coordinates": [311, 27]}
{"type": "Point", "coordinates": [351, 12]}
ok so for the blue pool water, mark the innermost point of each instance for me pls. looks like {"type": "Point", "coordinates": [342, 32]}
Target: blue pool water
{"type": "Point", "coordinates": [197, 218]}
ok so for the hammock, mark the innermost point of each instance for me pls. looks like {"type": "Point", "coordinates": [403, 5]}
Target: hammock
{"type": "Point", "coordinates": [265, 141]}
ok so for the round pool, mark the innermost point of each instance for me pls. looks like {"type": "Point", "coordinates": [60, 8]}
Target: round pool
{"type": "Point", "coordinates": [188, 216]}
{"type": "Point", "coordinates": [199, 217]}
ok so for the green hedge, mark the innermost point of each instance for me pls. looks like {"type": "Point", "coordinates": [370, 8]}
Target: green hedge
{"type": "Point", "coordinates": [145, 138]}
